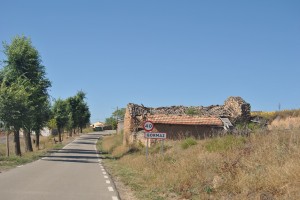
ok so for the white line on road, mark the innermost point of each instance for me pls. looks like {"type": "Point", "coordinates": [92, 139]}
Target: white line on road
{"type": "Point", "coordinates": [105, 176]}
{"type": "Point", "coordinates": [111, 189]}
{"type": "Point", "coordinates": [103, 169]}
{"type": "Point", "coordinates": [103, 172]}
{"type": "Point", "coordinates": [115, 198]}
{"type": "Point", "coordinates": [107, 181]}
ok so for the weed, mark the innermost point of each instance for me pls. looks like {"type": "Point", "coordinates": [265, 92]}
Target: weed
{"type": "Point", "coordinates": [111, 142]}
{"type": "Point", "coordinates": [208, 189]}
{"type": "Point", "coordinates": [188, 142]}
{"type": "Point", "coordinates": [191, 111]}
{"type": "Point", "coordinates": [224, 143]}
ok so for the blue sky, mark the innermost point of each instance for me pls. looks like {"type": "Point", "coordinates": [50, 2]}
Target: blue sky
{"type": "Point", "coordinates": [163, 53]}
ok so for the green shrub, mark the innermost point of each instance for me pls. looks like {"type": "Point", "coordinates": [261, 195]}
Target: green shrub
{"type": "Point", "coordinates": [191, 111]}
{"type": "Point", "coordinates": [250, 126]}
{"type": "Point", "coordinates": [224, 143]}
{"type": "Point", "coordinates": [188, 142]}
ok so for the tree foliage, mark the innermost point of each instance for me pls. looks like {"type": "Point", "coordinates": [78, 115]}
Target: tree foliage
{"type": "Point", "coordinates": [119, 113]}
{"type": "Point", "coordinates": [24, 74]}
{"type": "Point", "coordinates": [111, 121]}
{"type": "Point", "coordinates": [14, 104]}
{"type": "Point", "coordinates": [60, 115]}
{"type": "Point", "coordinates": [79, 114]}
{"type": "Point", "coordinates": [116, 115]}
{"type": "Point", "coordinates": [71, 113]}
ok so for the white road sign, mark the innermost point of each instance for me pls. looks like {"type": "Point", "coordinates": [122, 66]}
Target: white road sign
{"type": "Point", "coordinates": [148, 126]}
{"type": "Point", "coordinates": [156, 135]}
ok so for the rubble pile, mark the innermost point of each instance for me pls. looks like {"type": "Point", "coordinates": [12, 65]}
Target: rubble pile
{"type": "Point", "coordinates": [234, 108]}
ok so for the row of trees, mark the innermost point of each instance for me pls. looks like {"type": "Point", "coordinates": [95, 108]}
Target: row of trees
{"type": "Point", "coordinates": [71, 114]}
{"type": "Point", "coordinates": [24, 99]}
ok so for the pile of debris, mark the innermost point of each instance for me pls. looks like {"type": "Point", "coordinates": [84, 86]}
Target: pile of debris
{"type": "Point", "coordinates": [234, 108]}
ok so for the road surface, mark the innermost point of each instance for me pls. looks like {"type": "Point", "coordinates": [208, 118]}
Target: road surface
{"type": "Point", "coordinates": [73, 173]}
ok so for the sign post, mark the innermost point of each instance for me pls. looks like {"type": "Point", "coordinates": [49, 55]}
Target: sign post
{"type": "Point", "coordinates": [148, 126]}
{"type": "Point", "coordinates": [159, 136]}
{"type": "Point", "coordinates": [162, 147]}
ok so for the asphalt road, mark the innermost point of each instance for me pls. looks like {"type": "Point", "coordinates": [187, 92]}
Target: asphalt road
{"type": "Point", "coordinates": [73, 173]}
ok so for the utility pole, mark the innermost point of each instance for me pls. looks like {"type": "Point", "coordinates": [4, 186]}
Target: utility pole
{"type": "Point", "coordinates": [117, 114]}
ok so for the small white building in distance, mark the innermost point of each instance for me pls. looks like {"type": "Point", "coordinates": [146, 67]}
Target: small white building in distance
{"type": "Point", "coordinates": [98, 126]}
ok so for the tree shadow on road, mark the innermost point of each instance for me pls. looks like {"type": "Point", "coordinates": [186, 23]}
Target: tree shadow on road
{"type": "Point", "coordinates": [65, 155]}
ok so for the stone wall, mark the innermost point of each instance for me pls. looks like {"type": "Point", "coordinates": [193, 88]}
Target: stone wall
{"type": "Point", "coordinates": [239, 111]}
{"type": "Point", "coordinates": [234, 108]}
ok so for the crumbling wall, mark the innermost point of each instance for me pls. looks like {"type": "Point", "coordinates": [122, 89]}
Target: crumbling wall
{"type": "Point", "coordinates": [239, 110]}
{"type": "Point", "coordinates": [234, 108]}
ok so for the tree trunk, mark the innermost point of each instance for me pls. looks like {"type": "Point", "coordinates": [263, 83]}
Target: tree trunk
{"type": "Point", "coordinates": [17, 143]}
{"type": "Point", "coordinates": [70, 132]}
{"type": "Point", "coordinates": [74, 131]}
{"type": "Point", "coordinates": [37, 137]}
{"type": "Point", "coordinates": [59, 135]}
{"type": "Point", "coordinates": [7, 144]}
{"type": "Point", "coordinates": [28, 143]}
{"type": "Point", "coordinates": [80, 129]}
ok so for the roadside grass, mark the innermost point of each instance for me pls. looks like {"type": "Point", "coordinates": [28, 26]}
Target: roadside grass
{"type": "Point", "coordinates": [88, 130]}
{"type": "Point", "coordinates": [46, 144]}
{"type": "Point", "coordinates": [112, 144]}
{"type": "Point", "coordinates": [263, 165]}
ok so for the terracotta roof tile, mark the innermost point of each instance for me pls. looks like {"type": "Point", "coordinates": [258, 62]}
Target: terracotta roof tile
{"type": "Point", "coordinates": [185, 120]}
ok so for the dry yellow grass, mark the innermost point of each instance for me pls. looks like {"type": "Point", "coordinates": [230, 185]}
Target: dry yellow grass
{"type": "Point", "coordinates": [283, 114]}
{"type": "Point", "coordinates": [285, 123]}
{"type": "Point", "coordinates": [46, 143]}
{"type": "Point", "coordinates": [111, 142]}
{"type": "Point", "coordinates": [264, 165]}
{"type": "Point", "coordinates": [119, 151]}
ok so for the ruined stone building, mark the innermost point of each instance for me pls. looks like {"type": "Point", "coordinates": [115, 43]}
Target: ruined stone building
{"type": "Point", "coordinates": [180, 122]}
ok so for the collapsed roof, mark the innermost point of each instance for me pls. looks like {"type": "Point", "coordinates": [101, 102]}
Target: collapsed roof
{"type": "Point", "coordinates": [234, 108]}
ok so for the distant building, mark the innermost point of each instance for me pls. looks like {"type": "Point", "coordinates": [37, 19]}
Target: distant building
{"type": "Point", "coordinates": [98, 126]}
{"type": "Point", "coordinates": [44, 132]}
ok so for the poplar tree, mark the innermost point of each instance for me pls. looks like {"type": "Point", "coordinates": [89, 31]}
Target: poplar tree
{"type": "Point", "coordinates": [23, 63]}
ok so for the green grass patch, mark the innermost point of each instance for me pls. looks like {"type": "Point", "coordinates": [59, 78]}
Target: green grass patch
{"type": "Point", "coordinates": [224, 143]}
{"type": "Point", "coordinates": [188, 142]}
{"type": "Point", "coordinates": [13, 161]}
